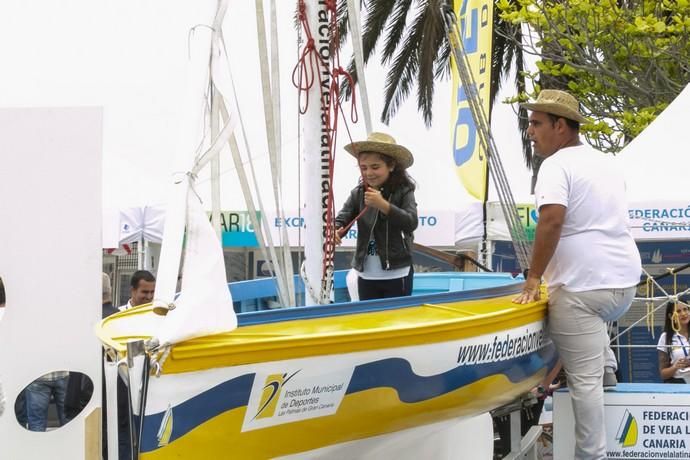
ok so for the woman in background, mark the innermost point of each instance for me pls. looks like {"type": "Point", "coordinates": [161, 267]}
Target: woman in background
{"type": "Point", "coordinates": [673, 346]}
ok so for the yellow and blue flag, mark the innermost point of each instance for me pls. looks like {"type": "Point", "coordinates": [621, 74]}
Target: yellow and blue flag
{"type": "Point", "coordinates": [475, 23]}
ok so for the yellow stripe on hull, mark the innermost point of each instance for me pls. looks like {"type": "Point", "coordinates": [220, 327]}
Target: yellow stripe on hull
{"type": "Point", "coordinates": [360, 415]}
{"type": "Point", "coordinates": [284, 340]}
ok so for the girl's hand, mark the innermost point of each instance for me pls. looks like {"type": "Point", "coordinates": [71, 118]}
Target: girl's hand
{"type": "Point", "coordinates": [338, 238]}
{"type": "Point", "coordinates": [374, 199]}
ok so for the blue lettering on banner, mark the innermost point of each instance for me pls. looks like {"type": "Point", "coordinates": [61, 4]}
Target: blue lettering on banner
{"type": "Point", "coordinates": [238, 231]}
{"type": "Point", "coordinates": [662, 219]}
{"type": "Point", "coordinates": [464, 152]}
{"type": "Point", "coordinates": [289, 222]}
{"type": "Point", "coordinates": [424, 221]}
{"type": "Point", "coordinates": [470, 31]}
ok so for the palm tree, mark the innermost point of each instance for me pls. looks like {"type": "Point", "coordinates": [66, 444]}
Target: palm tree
{"type": "Point", "coordinates": [417, 53]}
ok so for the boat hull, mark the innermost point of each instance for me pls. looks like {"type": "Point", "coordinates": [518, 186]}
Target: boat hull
{"type": "Point", "coordinates": [285, 407]}
{"type": "Point", "coordinates": [299, 379]}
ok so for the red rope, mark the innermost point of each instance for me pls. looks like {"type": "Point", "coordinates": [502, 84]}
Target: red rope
{"type": "Point", "coordinates": [303, 72]}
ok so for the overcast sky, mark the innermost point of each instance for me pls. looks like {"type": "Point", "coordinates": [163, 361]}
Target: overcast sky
{"type": "Point", "coordinates": [131, 57]}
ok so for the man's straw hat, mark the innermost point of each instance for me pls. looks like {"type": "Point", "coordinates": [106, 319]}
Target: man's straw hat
{"type": "Point", "coordinates": [385, 145]}
{"type": "Point", "coordinates": [558, 103]}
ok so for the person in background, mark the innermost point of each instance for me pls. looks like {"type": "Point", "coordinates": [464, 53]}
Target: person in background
{"type": "Point", "coordinates": [674, 344]}
{"type": "Point", "coordinates": [584, 250]}
{"type": "Point", "coordinates": [143, 285]}
{"type": "Point", "coordinates": [108, 308]}
{"type": "Point", "coordinates": [383, 256]}
{"type": "Point", "coordinates": [38, 395]}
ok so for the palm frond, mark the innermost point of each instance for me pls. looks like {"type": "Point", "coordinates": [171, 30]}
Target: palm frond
{"type": "Point", "coordinates": [343, 16]}
{"type": "Point", "coordinates": [523, 122]}
{"type": "Point", "coordinates": [405, 65]}
{"type": "Point", "coordinates": [377, 15]}
{"type": "Point", "coordinates": [433, 34]}
{"type": "Point", "coordinates": [395, 29]}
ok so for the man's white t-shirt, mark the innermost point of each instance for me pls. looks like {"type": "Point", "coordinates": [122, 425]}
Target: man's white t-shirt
{"type": "Point", "coordinates": [596, 249]}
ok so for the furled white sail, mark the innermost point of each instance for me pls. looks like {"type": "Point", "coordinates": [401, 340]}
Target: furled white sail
{"type": "Point", "coordinates": [204, 306]}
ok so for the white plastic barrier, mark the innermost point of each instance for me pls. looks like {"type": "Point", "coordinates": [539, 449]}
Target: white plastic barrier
{"type": "Point", "coordinates": [50, 263]}
{"type": "Point", "coordinates": [642, 421]}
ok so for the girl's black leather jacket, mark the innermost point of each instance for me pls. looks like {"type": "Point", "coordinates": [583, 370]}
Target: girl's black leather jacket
{"type": "Point", "coordinates": [393, 232]}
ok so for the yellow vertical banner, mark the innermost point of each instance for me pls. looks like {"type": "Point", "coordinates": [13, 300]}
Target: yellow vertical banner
{"type": "Point", "coordinates": [475, 23]}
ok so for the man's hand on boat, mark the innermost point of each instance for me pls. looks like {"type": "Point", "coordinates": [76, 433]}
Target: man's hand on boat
{"type": "Point", "coordinates": [530, 291]}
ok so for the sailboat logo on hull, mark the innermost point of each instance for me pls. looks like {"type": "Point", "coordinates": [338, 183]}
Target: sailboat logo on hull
{"type": "Point", "coordinates": [165, 430]}
{"type": "Point", "coordinates": [627, 430]}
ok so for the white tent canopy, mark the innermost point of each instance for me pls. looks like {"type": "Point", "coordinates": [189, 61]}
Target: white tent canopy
{"type": "Point", "coordinates": [659, 197]}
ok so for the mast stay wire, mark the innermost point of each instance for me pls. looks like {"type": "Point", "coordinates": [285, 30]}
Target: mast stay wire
{"type": "Point", "coordinates": [518, 235]}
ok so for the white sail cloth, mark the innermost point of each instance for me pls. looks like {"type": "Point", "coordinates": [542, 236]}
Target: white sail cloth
{"type": "Point", "coordinates": [204, 306]}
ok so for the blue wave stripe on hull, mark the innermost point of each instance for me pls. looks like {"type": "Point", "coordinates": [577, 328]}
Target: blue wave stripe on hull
{"type": "Point", "coordinates": [197, 410]}
{"type": "Point", "coordinates": [393, 372]}
{"type": "Point", "coordinates": [397, 373]}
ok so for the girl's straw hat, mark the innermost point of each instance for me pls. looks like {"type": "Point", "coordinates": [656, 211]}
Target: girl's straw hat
{"type": "Point", "coordinates": [383, 144]}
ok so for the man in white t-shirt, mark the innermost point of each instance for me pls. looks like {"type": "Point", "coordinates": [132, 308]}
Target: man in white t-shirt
{"type": "Point", "coordinates": [585, 252]}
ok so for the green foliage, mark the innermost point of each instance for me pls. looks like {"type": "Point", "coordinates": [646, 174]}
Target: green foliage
{"type": "Point", "coordinates": [624, 60]}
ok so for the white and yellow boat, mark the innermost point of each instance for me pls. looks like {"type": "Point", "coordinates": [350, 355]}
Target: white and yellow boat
{"type": "Point", "coordinates": [292, 380]}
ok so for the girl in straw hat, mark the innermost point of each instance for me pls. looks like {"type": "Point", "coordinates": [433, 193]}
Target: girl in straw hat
{"type": "Point", "coordinates": [384, 205]}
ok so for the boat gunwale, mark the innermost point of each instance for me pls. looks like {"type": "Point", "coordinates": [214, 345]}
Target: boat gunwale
{"type": "Point", "coordinates": [293, 346]}
{"type": "Point", "coordinates": [369, 306]}
{"type": "Point", "coordinates": [223, 354]}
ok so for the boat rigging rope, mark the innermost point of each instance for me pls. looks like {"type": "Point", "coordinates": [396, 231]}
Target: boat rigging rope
{"type": "Point", "coordinates": [227, 104]}
{"type": "Point", "coordinates": [305, 73]}
{"type": "Point", "coordinates": [271, 101]}
{"type": "Point", "coordinates": [650, 282]}
{"type": "Point", "coordinates": [518, 235]}
{"type": "Point", "coordinates": [159, 359]}
{"type": "Point", "coordinates": [356, 36]}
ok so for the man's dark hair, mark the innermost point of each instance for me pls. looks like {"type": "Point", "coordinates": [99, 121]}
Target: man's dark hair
{"type": "Point", "coordinates": [2, 293]}
{"type": "Point", "coordinates": [141, 275]}
{"type": "Point", "coordinates": [572, 124]}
